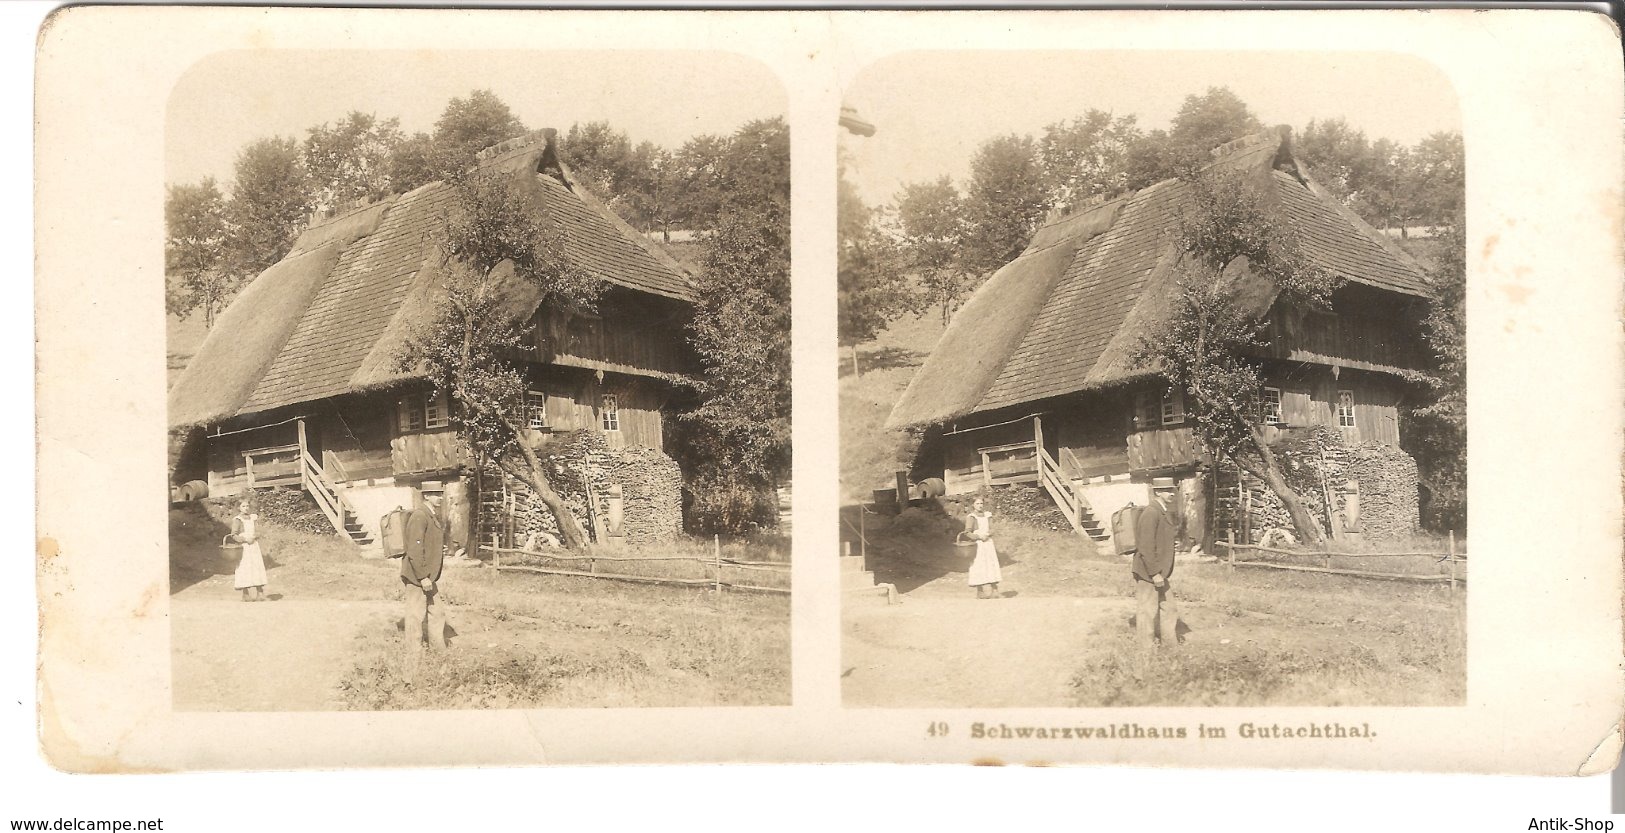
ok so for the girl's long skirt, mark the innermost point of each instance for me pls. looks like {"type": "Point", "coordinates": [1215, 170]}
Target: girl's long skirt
{"type": "Point", "coordinates": [251, 569]}
{"type": "Point", "coordinates": [985, 569]}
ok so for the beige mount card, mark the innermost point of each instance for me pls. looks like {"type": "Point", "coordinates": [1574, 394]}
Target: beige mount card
{"type": "Point", "coordinates": [470, 344]}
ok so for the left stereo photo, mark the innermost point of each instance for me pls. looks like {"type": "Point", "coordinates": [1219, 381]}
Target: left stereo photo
{"type": "Point", "coordinates": [479, 381]}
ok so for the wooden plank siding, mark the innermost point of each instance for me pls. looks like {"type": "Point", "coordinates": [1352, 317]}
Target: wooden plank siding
{"type": "Point", "coordinates": [1163, 448]}
{"type": "Point", "coordinates": [1308, 400]}
{"type": "Point", "coordinates": [425, 452]}
{"type": "Point", "coordinates": [575, 400]}
{"type": "Point", "coordinates": [351, 439]}
{"type": "Point", "coordinates": [630, 335]}
{"type": "Point", "coordinates": [1366, 332]}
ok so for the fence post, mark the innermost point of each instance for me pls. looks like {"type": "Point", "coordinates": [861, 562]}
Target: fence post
{"type": "Point", "coordinates": [716, 540]}
{"type": "Point", "coordinates": [1450, 555]}
{"type": "Point", "coordinates": [1232, 550]}
{"type": "Point", "coordinates": [496, 554]}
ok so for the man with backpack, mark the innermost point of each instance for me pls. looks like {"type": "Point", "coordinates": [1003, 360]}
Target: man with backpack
{"type": "Point", "coordinates": [1156, 617]}
{"type": "Point", "coordinates": [420, 572]}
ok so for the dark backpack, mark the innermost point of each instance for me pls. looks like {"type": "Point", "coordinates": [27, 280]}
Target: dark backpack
{"type": "Point", "coordinates": [392, 530]}
{"type": "Point", "coordinates": [1123, 522]}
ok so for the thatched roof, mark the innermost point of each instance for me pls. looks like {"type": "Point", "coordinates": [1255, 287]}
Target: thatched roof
{"type": "Point", "coordinates": [1065, 316]}
{"type": "Point", "coordinates": [331, 317]}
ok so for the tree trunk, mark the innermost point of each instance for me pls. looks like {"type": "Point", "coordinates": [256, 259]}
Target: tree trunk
{"type": "Point", "coordinates": [856, 374]}
{"type": "Point", "coordinates": [1304, 523]}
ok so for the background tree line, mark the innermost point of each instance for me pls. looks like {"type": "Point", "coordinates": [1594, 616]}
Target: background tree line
{"type": "Point", "coordinates": [732, 191]}
{"type": "Point", "coordinates": [936, 241]}
{"type": "Point", "coordinates": [950, 236]}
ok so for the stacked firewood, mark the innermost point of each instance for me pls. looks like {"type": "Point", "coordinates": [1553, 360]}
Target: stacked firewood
{"type": "Point", "coordinates": [582, 465]}
{"type": "Point", "coordinates": [1317, 464]}
{"type": "Point", "coordinates": [1388, 494]}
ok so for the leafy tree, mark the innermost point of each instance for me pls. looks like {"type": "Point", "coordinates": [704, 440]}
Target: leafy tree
{"type": "Point", "coordinates": [638, 181]}
{"type": "Point", "coordinates": [931, 216]}
{"type": "Point", "coordinates": [1439, 169]}
{"type": "Point", "coordinates": [1149, 160]}
{"type": "Point", "coordinates": [466, 127]}
{"type": "Point", "coordinates": [871, 287]}
{"type": "Point", "coordinates": [652, 197]}
{"type": "Point", "coordinates": [415, 162]}
{"type": "Point", "coordinates": [1086, 157]}
{"type": "Point", "coordinates": [741, 330]}
{"type": "Point", "coordinates": [601, 154]}
{"type": "Point", "coordinates": [493, 236]}
{"type": "Point", "coordinates": [470, 125]}
{"type": "Point", "coordinates": [350, 159]}
{"type": "Point", "coordinates": [1438, 429]}
{"type": "Point", "coordinates": [1004, 202]}
{"type": "Point", "coordinates": [1208, 120]}
{"type": "Point", "coordinates": [1227, 241]}
{"type": "Point", "coordinates": [1338, 156]}
{"type": "Point", "coordinates": [195, 251]}
{"type": "Point", "coordinates": [270, 204]}
{"type": "Point", "coordinates": [1203, 123]}
{"type": "Point", "coordinates": [1388, 198]}
{"type": "Point", "coordinates": [696, 174]}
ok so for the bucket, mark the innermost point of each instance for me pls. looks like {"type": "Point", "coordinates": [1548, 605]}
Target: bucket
{"type": "Point", "coordinates": [231, 551]}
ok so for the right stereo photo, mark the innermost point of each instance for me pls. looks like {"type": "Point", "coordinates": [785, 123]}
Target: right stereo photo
{"type": "Point", "coordinates": [1152, 381]}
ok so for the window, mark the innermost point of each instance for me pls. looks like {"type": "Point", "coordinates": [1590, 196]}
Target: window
{"type": "Point", "coordinates": [424, 411]}
{"type": "Point", "coordinates": [1145, 411]}
{"type": "Point", "coordinates": [536, 409]}
{"type": "Point", "coordinates": [1345, 409]}
{"type": "Point", "coordinates": [435, 412]}
{"type": "Point", "coordinates": [610, 411]}
{"type": "Point", "coordinates": [1270, 407]}
{"type": "Point", "coordinates": [1173, 407]}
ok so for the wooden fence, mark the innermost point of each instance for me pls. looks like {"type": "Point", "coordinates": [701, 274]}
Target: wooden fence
{"type": "Point", "coordinates": [1448, 557]}
{"type": "Point", "coordinates": [716, 564]}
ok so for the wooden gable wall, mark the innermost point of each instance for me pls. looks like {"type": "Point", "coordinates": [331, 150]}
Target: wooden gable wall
{"type": "Point", "coordinates": [629, 333]}
{"type": "Point", "coordinates": [1366, 329]}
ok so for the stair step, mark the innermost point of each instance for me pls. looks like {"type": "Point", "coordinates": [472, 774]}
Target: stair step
{"type": "Point", "coordinates": [854, 580]}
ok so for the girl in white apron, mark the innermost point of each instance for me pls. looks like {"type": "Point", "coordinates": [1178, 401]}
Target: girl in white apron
{"type": "Point", "coordinates": [250, 577]}
{"type": "Point", "coordinates": [984, 570]}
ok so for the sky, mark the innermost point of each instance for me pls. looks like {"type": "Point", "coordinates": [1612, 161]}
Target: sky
{"type": "Point", "coordinates": [232, 98]}
{"type": "Point", "coordinates": [932, 109]}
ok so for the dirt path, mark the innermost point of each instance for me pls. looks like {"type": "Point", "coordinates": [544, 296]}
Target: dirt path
{"type": "Point", "coordinates": [267, 656]}
{"type": "Point", "coordinates": [941, 650]}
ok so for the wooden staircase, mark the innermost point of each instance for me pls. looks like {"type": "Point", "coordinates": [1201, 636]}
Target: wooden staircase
{"type": "Point", "coordinates": [1071, 502]}
{"type": "Point", "coordinates": [856, 579]}
{"type": "Point", "coordinates": [331, 501]}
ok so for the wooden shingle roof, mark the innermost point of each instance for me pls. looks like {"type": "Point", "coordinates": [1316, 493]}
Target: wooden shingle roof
{"type": "Point", "coordinates": [1083, 333]}
{"type": "Point", "coordinates": [330, 318]}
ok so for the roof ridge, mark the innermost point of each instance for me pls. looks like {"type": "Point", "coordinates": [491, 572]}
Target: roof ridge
{"type": "Point", "coordinates": [542, 136]}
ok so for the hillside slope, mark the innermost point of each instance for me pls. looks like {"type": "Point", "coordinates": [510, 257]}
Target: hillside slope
{"type": "Point", "coordinates": [869, 453]}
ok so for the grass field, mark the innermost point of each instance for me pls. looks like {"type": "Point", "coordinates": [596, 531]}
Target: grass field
{"type": "Point", "coordinates": [1255, 637]}
{"type": "Point", "coordinates": [331, 637]}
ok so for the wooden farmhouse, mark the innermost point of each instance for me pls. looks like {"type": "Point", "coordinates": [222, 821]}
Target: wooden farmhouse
{"type": "Point", "coordinates": [300, 383]}
{"type": "Point", "coordinates": [1034, 380]}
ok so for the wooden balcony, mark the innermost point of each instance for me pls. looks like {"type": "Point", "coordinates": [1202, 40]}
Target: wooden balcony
{"type": "Point", "coordinates": [1165, 448]}
{"type": "Point", "coordinates": [425, 452]}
